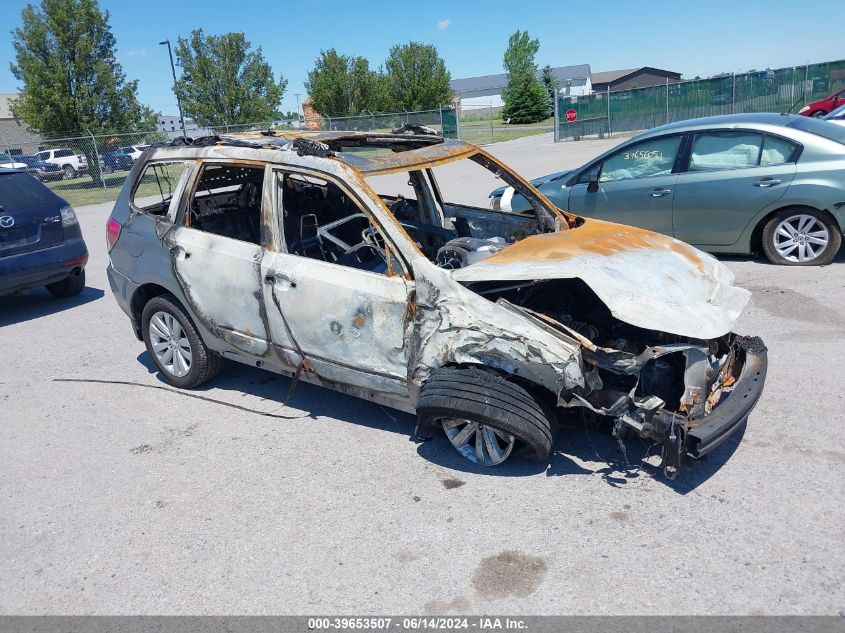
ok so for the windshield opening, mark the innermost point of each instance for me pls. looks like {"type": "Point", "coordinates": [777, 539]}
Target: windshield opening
{"type": "Point", "coordinates": [445, 209]}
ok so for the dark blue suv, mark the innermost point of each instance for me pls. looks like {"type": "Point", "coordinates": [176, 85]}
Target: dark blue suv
{"type": "Point", "coordinates": [40, 240]}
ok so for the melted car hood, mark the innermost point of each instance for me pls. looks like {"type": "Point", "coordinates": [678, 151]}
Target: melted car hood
{"type": "Point", "coordinates": [645, 279]}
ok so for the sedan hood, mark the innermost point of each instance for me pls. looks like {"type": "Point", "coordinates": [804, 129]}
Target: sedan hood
{"type": "Point", "coordinates": [645, 279]}
{"type": "Point", "coordinates": [542, 180]}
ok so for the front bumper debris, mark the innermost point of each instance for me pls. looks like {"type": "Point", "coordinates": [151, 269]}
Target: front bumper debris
{"type": "Point", "coordinates": [685, 439]}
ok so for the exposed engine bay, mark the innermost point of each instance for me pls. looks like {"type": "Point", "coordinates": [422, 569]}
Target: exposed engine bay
{"type": "Point", "coordinates": [648, 383]}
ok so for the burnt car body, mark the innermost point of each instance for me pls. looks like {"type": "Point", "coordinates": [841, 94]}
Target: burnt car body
{"type": "Point", "coordinates": [276, 250]}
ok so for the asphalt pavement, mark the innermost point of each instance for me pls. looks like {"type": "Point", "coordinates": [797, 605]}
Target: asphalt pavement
{"type": "Point", "coordinates": [119, 497]}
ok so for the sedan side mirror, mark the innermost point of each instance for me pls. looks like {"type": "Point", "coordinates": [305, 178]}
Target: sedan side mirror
{"type": "Point", "coordinates": [593, 185]}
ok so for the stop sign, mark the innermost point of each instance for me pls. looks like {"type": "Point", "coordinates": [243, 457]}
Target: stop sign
{"type": "Point", "coordinates": [571, 115]}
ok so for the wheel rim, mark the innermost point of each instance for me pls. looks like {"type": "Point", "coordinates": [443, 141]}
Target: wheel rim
{"type": "Point", "coordinates": [68, 172]}
{"type": "Point", "coordinates": [171, 347]}
{"type": "Point", "coordinates": [801, 238]}
{"type": "Point", "coordinates": [479, 443]}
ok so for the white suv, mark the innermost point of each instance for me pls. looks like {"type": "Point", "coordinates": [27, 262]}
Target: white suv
{"type": "Point", "coordinates": [134, 151]}
{"type": "Point", "coordinates": [70, 162]}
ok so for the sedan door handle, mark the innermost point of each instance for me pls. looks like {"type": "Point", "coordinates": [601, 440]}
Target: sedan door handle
{"type": "Point", "coordinates": [659, 192]}
{"type": "Point", "coordinates": [282, 281]}
{"type": "Point", "coordinates": [766, 182]}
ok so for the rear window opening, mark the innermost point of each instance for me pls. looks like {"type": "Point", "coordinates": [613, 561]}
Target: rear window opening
{"type": "Point", "coordinates": [155, 187]}
{"type": "Point", "coordinates": [227, 202]}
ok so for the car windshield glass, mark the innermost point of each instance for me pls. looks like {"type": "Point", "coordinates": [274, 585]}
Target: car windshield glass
{"type": "Point", "coordinates": [19, 191]}
{"type": "Point", "coordinates": [818, 127]}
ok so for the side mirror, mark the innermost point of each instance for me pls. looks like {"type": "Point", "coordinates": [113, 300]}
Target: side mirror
{"type": "Point", "coordinates": [593, 185]}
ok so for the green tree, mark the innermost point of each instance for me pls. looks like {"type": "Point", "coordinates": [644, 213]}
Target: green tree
{"type": "Point", "coordinates": [72, 81]}
{"type": "Point", "coordinates": [224, 82]}
{"type": "Point", "coordinates": [344, 85]}
{"type": "Point", "coordinates": [417, 78]}
{"type": "Point", "coordinates": [552, 85]}
{"type": "Point", "coordinates": [526, 100]}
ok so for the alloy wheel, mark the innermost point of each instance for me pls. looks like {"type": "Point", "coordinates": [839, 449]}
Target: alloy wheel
{"type": "Point", "coordinates": [801, 238]}
{"type": "Point", "coordinates": [170, 345]}
{"type": "Point", "coordinates": [479, 443]}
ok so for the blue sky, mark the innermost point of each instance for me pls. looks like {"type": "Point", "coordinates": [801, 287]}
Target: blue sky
{"type": "Point", "coordinates": [694, 38]}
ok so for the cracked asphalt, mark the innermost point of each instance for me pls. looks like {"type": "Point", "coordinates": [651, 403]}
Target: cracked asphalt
{"type": "Point", "coordinates": [128, 498]}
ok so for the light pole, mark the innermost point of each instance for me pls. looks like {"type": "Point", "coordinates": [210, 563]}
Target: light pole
{"type": "Point", "coordinates": [178, 100]}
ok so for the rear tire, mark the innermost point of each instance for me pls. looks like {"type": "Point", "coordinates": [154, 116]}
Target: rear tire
{"type": "Point", "coordinates": [816, 225]}
{"type": "Point", "coordinates": [458, 398]}
{"type": "Point", "coordinates": [204, 364]}
{"type": "Point", "coordinates": [70, 286]}
{"type": "Point", "coordinates": [69, 172]}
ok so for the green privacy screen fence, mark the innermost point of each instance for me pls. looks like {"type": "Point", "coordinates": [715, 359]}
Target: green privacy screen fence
{"type": "Point", "coordinates": [780, 90]}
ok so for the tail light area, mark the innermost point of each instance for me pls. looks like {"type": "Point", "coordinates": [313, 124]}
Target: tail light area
{"type": "Point", "coordinates": [112, 232]}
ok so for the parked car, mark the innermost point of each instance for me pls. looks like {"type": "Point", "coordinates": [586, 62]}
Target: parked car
{"type": "Point", "coordinates": [71, 163]}
{"type": "Point", "coordinates": [368, 263]}
{"type": "Point", "coordinates": [729, 184]}
{"type": "Point", "coordinates": [837, 116]}
{"type": "Point", "coordinates": [134, 151]}
{"type": "Point", "coordinates": [117, 160]}
{"type": "Point", "coordinates": [37, 168]}
{"type": "Point", "coordinates": [11, 162]}
{"type": "Point", "coordinates": [824, 106]}
{"type": "Point", "coordinates": [40, 240]}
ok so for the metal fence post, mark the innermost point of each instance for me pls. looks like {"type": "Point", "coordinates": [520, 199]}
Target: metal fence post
{"type": "Point", "coordinates": [440, 108]}
{"type": "Point", "coordinates": [609, 128]}
{"type": "Point", "coordinates": [557, 116]}
{"type": "Point", "coordinates": [804, 88]}
{"type": "Point", "coordinates": [733, 92]}
{"type": "Point", "coordinates": [97, 158]}
{"type": "Point", "coordinates": [6, 144]}
{"type": "Point", "coordinates": [667, 100]}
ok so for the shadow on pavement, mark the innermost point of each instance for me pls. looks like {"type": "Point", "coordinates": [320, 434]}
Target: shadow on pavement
{"type": "Point", "coordinates": [576, 444]}
{"type": "Point", "coordinates": [38, 303]}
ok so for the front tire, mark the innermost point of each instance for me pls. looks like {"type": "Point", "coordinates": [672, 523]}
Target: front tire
{"type": "Point", "coordinates": [179, 353]}
{"type": "Point", "coordinates": [483, 414]}
{"type": "Point", "coordinates": [70, 286]}
{"type": "Point", "coordinates": [800, 236]}
{"type": "Point", "coordinates": [818, 114]}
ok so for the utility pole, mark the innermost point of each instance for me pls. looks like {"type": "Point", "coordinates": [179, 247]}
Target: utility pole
{"type": "Point", "coordinates": [296, 94]}
{"type": "Point", "coordinates": [178, 100]}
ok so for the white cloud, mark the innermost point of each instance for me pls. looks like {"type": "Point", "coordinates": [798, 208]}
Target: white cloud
{"type": "Point", "coordinates": [442, 25]}
{"type": "Point", "coordinates": [139, 52]}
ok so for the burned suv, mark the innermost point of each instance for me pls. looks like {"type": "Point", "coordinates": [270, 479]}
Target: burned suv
{"type": "Point", "coordinates": [369, 263]}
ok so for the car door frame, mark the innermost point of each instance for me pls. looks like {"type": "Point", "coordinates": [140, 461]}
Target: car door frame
{"type": "Point", "coordinates": [244, 344]}
{"type": "Point", "coordinates": [284, 272]}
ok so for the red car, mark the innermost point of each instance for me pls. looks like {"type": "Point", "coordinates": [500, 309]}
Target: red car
{"type": "Point", "coordinates": [824, 106]}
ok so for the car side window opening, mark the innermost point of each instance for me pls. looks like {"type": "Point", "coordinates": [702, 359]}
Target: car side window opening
{"type": "Point", "coordinates": [321, 221]}
{"type": "Point", "coordinates": [725, 150]}
{"type": "Point", "coordinates": [154, 188]}
{"type": "Point", "coordinates": [227, 201]}
{"type": "Point", "coordinates": [777, 151]}
{"type": "Point", "coordinates": [653, 157]}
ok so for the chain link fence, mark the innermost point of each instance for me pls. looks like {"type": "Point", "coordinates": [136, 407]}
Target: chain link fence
{"type": "Point", "coordinates": [624, 111]}
{"type": "Point", "coordinates": [90, 169]}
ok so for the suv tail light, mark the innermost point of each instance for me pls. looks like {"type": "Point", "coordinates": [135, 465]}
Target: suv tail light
{"type": "Point", "coordinates": [79, 158]}
{"type": "Point", "coordinates": [112, 232]}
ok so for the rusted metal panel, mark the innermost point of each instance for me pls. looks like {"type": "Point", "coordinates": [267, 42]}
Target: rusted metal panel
{"type": "Point", "coordinates": [645, 279]}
